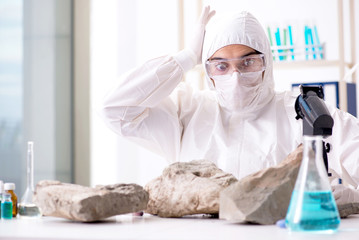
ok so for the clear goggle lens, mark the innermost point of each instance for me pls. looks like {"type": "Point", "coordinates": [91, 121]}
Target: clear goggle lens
{"type": "Point", "coordinates": [219, 69]}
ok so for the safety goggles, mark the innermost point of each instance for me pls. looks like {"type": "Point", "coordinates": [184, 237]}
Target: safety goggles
{"type": "Point", "coordinates": [219, 69]}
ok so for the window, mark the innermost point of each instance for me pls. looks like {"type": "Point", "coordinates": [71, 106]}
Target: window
{"type": "Point", "coordinates": [35, 89]}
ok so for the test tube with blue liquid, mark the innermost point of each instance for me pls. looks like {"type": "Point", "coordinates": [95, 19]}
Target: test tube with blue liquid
{"type": "Point", "coordinates": [278, 41]}
{"type": "Point", "coordinates": [291, 40]}
{"type": "Point", "coordinates": [306, 40]}
{"type": "Point", "coordinates": [311, 41]}
{"type": "Point", "coordinates": [317, 41]}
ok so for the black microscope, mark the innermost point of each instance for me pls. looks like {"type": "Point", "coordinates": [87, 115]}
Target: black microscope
{"type": "Point", "coordinates": [310, 107]}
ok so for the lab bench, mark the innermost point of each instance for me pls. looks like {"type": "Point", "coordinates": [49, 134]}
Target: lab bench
{"type": "Point", "coordinates": [152, 227]}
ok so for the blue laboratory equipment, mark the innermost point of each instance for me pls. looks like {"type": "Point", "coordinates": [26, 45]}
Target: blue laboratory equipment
{"type": "Point", "coordinates": [306, 40]}
{"type": "Point", "coordinates": [317, 41]}
{"type": "Point", "coordinates": [6, 206]}
{"type": "Point", "coordinates": [310, 36]}
{"type": "Point", "coordinates": [291, 41]}
{"type": "Point", "coordinates": [312, 206]}
{"type": "Point", "coordinates": [277, 38]}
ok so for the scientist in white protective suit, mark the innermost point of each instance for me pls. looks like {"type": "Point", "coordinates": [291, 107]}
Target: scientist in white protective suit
{"type": "Point", "coordinates": [240, 122]}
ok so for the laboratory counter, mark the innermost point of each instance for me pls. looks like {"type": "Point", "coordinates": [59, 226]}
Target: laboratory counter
{"type": "Point", "coordinates": [152, 227]}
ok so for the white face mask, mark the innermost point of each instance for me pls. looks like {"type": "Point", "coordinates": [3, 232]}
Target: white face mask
{"type": "Point", "coordinates": [235, 94]}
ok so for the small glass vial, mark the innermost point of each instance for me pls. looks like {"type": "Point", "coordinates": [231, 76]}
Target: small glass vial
{"type": "Point", "coordinates": [312, 206]}
{"type": "Point", "coordinates": [9, 188]}
{"type": "Point", "coordinates": [6, 207]}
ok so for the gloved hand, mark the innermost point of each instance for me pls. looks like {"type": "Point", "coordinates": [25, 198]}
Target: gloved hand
{"type": "Point", "coordinates": [196, 44]}
{"type": "Point", "coordinates": [344, 194]}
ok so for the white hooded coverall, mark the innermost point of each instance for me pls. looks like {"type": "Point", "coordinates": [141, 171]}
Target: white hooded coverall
{"type": "Point", "coordinates": [155, 109]}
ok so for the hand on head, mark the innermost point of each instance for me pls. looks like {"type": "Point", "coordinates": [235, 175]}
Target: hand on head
{"type": "Point", "coordinates": [196, 44]}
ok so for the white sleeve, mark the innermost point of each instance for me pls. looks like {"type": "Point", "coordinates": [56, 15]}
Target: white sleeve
{"type": "Point", "coordinates": [344, 153]}
{"type": "Point", "coordinates": [140, 107]}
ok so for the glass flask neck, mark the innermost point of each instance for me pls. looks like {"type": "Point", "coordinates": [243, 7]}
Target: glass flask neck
{"type": "Point", "coordinates": [30, 166]}
{"type": "Point", "coordinates": [313, 171]}
{"type": "Point", "coordinates": [313, 148]}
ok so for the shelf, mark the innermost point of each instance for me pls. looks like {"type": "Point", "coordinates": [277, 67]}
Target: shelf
{"type": "Point", "coordinates": [308, 64]}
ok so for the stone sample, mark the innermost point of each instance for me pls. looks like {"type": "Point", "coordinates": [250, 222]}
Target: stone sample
{"type": "Point", "coordinates": [348, 209]}
{"type": "Point", "coordinates": [187, 188]}
{"type": "Point", "coordinates": [87, 204]}
{"type": "Point", "coordinates": [262, 197]}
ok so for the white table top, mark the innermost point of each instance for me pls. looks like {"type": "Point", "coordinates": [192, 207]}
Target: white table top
{"type": "Point", "coordinates": [152, 227]}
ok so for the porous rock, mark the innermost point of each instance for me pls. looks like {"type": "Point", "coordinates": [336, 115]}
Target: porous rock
{"type": "Point", "coordinates": [88, 204]}
{"type": "Point", "coordinates": [348, 209]}
{"type": "Point", "coordinates": [187, 188]}
{"type": "Point", "coordinates": [262, 197]}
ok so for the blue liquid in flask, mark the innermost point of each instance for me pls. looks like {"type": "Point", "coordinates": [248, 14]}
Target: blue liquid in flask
{"type": "Point", "coordinates": [314, 211]}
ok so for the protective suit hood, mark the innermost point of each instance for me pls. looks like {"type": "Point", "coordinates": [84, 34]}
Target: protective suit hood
{"type": "Point", "coordinates": [242, 28]}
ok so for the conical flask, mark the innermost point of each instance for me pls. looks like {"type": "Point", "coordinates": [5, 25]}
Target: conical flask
{"type": "Point", "coordinates": [27, 208]}
{"type": "Point", "coordinates": [312, 206]}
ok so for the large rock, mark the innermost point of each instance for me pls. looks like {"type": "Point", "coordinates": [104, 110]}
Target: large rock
{"type": "Point", "coordinates": [348, 209]}
{"type": "Point", "coordinates": [187, 188]}
{"type": "Point", "coordinates": [262, 197]}
{"type": "Point", "coordinates": [87, 204]}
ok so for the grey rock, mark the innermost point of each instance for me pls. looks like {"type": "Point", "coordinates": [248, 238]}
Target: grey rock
{"type": "Point", "coordinates": [87, 204]}
{"type": "Point", "coordinates": [348, 209]}
{"type": "Point", "coordinates": [187, 188]}
{"type": "Point", "coordinates": [262, 197]}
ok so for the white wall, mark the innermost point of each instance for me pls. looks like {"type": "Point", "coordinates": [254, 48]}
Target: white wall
{"type": "Point", "coordinates": [127, 33]}
{"type": "Point", "coordinates": [133, 34]}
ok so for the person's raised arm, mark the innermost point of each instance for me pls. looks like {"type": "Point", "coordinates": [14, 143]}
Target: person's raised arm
{"type": "Point", "coordinates": [147, 85]}
{"type": "Point", "coordinates": [140, 107]}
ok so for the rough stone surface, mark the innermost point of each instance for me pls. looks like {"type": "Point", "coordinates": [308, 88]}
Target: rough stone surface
{"type": "Point", "coordinates": [348, 209]}
{"type": "Point", "coordinates": [87, 204]}
{"type": "Point", "coordinates": [262, 197]}
{"type": "Point", "coordinates": [187, 188]}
